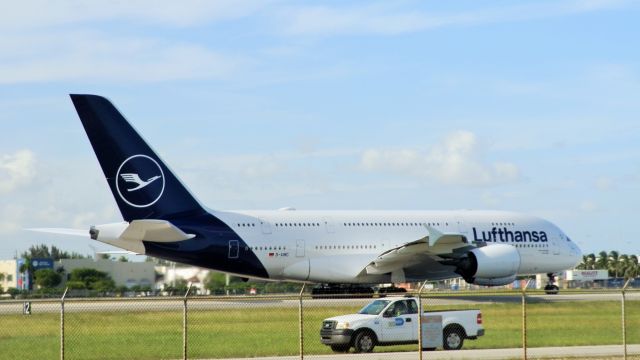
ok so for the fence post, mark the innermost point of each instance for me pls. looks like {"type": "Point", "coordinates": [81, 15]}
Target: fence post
{"type": "Point", "coordinates": [62, 323]}
{"type": "Point", "coordinates": [420, 320]}
{"type": "Point", "coordinates": [624, 323]}
{"type": "Point", "coordinates": [301, 318]}
{"type": "Point", "coordinates": [184, 323]}
{"type": "Point", "coordinates": [524, 320]}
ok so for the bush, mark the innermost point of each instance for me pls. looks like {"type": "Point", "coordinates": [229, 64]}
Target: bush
{"type": "Point", "coordinates": [76, 285]}
{"type": "Point", "coordinates": [47, 278]}
{"type": "Point", "coordinates": [91, 279]}
{"type": "Point", "coordinates": [14, 292]}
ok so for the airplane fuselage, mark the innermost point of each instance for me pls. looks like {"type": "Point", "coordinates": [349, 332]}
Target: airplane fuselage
{"type": "Point", "coordinates": [326, 246]}
{"type": "Point", "coordinates": [163, 219]}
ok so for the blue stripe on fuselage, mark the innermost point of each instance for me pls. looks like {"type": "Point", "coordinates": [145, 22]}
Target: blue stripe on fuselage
{"type": "Point", "coordinates": [210, 247]}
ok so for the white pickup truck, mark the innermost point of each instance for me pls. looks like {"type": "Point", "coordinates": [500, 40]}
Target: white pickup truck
{"type": "Point", "coordinates": [395, 321]}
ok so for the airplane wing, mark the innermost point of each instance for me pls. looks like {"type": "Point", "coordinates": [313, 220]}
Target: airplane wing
{"type": "Point", "coordinates": [427, 255]}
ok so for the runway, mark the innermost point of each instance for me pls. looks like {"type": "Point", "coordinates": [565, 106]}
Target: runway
{"type": "Point", "coordinates": [209, 303]}
{"type": "Point", "coordinates": [581, 352]}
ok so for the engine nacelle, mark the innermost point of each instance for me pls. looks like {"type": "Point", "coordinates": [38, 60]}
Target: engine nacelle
{"type": "Point", "coordinates": [492, 265]}
{"type": "Point", "coordinates": [494, 281]}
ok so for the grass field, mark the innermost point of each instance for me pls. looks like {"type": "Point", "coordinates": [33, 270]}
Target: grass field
{"type": "Point", "coordinates": [274, 331]}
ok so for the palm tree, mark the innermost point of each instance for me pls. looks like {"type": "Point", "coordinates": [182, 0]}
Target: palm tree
{"type": "Point", "coordinates": [588, 262]}
{"type": "Point", "coordinates": [614, 263]}
{"type": "Point", "coordinates": [602, 262]}
{"type": "Point", "coordinates": [632, 268]}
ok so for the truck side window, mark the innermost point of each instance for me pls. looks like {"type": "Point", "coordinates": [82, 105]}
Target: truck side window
{"type": "Point", "coordinates": [400, 308]}
{"type": "Point", "coordinates": [413, 307]}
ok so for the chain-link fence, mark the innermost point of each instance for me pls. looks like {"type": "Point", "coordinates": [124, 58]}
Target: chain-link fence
{"type": "Point", "coordinates": [484, 324]}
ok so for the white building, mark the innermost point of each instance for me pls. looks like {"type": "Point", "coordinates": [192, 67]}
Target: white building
{"type": "Point", "coordinates": [8, 274]}
{"type": "Point", "coordinates": [191, 274]}
{"type": "Point", "coordinates": [123, 273]}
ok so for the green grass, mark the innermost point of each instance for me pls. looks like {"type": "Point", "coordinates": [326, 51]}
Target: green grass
{"type": "Point", "coordinates": [252, 332]}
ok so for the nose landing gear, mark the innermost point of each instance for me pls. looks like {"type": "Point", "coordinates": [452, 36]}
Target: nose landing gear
{"type": "Point", "coordinates": [551, 288]}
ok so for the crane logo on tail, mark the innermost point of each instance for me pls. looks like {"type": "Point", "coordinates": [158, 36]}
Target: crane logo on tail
{"type": "Point", "coordinates": [130, 185]}
{"type": "Point", "coordinates": [135, 178]}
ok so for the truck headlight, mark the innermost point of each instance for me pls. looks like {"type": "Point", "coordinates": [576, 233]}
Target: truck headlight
{"type": "Point", "coordinates": [342, 325]}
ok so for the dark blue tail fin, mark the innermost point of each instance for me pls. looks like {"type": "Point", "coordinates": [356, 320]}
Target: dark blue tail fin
{"type": "Point", "coordinates": [141, 183]}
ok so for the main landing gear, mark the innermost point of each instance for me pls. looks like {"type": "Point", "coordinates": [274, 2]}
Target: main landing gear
{"type": "Point", "coordinates": [551, 288]}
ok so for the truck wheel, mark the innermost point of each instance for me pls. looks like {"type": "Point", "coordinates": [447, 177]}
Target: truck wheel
{"type": "Point", "coordinates": [365, 342]}
{"type": "Point", "coordinates": [341, 348]}
{"type": "Point", "coordinates": [452, 339]}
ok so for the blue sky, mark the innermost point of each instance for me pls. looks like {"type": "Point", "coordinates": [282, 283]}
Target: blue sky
{"type": "Point", "coordinates": [524, 106]}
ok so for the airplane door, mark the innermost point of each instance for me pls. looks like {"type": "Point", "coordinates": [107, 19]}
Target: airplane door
{"type": "Point", "coordinates": [266, 227]}
{"type": "Point", "coordinates": [328, 225]}
{"type": "Point", "coordinates": [299, 248]}
{"type": "Point", "coordinates": [462, 229]}
{"type": "Point", "coordinates": [555, 247]}
{"type": "Point", "coordinates": [234, 249]}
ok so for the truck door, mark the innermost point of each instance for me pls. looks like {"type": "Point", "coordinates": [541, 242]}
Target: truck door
{"type": "Point", "coordinates": [398, 322]}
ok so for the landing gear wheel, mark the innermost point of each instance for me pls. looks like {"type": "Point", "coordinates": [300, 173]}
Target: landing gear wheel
{"type": "Point", "coordinates": [551, 288]}
{"type": "Point", "coordinates": [364, 342]}
{"type": "Point", "coordinates": [342, 348]}
{"type": "Point", "coordinates": [452, 340]}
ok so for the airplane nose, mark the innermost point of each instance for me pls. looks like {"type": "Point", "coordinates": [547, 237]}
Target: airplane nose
{"type": "Point", "coordinates": [577, 254]}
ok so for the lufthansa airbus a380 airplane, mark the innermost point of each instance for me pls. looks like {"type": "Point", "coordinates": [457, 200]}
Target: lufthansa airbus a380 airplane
{"type": "Point", "coordinates": [163, 219]}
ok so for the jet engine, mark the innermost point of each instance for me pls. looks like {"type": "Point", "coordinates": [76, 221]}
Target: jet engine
{"type": "Point", "coordinates": [491, 265]}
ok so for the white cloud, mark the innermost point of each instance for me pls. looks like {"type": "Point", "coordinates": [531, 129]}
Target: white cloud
{"type": "Point", "coordinates": [90, 56]}
{"type": "Point", "coordinates": [456, 160]}
{"type": "Point", "coordinates": [16, 170]}
{"type": "Point", "coordinates": [383, 18]}
{"type": "Point", "coordinates": [604, 183]}
{"type": "Point", "coordinates": [42, 13]}
{"type": "Point", "coordinates": [588, 206]}
{"type": "Point", "coordinates": [11, 216]}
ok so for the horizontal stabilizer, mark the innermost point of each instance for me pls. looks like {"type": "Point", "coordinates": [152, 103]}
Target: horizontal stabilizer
{"type": "Point", "coordinates": [62, 231]}
{"type": "Point", "coordinates": [154, 230]}
{"type": "Point", "coordinates": [117, 252]}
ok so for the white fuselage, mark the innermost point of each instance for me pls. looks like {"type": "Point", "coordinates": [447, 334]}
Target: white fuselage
{"type": "Point", "coordinates": [328, 246]}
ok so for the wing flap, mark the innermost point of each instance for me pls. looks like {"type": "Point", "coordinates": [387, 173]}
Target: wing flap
{"type": "Point", "coordinates": [435, 247]}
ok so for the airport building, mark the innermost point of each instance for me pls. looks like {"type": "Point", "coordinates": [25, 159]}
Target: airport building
{"type": "Point", "coordinates": [167, 275]}
{"type": "Point", "coordinates": [8, 274]}
{"type": "Point", "coordinates": [123, 273]}
{"type": "Point", "coordinates": [11, 277]}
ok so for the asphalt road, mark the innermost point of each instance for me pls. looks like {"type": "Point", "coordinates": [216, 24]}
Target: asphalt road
{"type": "Point", "coordinates": [606, 351]}
{"type": "Point", "coordinates": [196, 303]}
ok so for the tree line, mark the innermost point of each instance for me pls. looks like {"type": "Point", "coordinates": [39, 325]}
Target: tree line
{"type": "Point", "coordinates": [618, 265]}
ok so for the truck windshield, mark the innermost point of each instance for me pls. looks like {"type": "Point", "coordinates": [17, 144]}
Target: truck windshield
{"type": "Point", "coordinates": [374, 308]}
